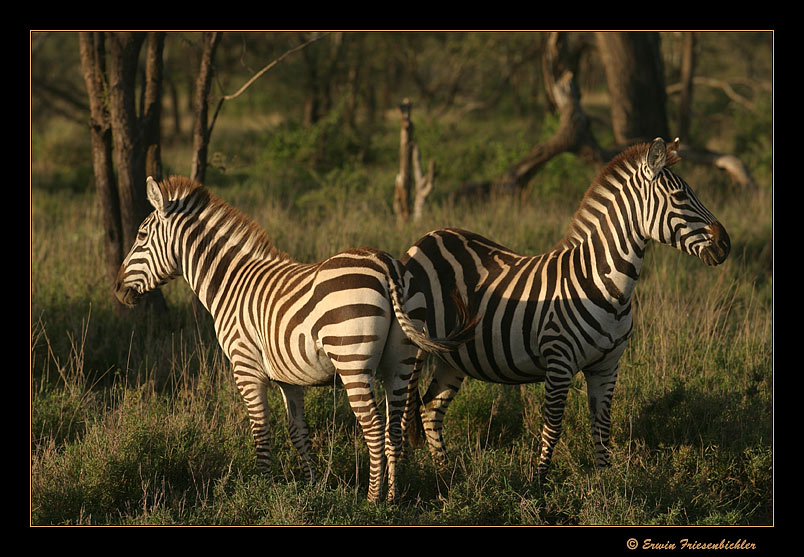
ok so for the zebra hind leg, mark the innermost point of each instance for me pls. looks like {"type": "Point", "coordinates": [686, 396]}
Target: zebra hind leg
{"type": "Point", "coordinates": [412, 428]}
{"type": "Point", "coordinates": [293, 396]}
{"type": "Point", "coordinates": [359, 392]}
{"type": "Point", "coordinates": [442, 389]}
{"type": "Point", "coordinates": [400, 379]}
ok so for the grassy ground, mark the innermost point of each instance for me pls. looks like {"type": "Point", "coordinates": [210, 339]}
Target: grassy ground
{"type": "Point", "coordinates": [136, 420]}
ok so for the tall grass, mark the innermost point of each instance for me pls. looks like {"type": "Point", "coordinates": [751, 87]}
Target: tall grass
{"type": "Point", "coordinates": [135, 420]}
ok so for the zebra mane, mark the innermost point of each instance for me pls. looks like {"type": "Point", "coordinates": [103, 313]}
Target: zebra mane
{"type": "Point", "coordinates": [187, 195]}
{"type": "Point", "coordinates": [622, 164]}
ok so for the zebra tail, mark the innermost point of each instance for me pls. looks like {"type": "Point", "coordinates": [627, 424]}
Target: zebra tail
{"type": "Point", "coordinates": [463, 331]}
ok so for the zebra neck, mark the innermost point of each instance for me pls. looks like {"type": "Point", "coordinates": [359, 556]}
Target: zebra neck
{"type": "Point", "coordinates": [612, 255]}
{"type": "Point", "coordinates": [217, 249]}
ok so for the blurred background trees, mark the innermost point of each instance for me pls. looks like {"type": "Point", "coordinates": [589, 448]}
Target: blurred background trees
{"type": "Point", "coordinates": [107, 109]}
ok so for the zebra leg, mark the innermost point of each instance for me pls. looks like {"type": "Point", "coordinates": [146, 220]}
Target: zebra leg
{"type": "Point", "coordinates": [255, 394]}
{"type": "Point", "coordinates": [412, 429]}
{"type": "Point", "coordinates": [360, 394]}
{"type": "Point", "coordinates": [599, 389]}
{"type": "Point", "coordinates": [398, 365]}
{"type": "Point", "coordinates": [443, 388]}
{"type": "Point", "coordinates": [293, 396]}
{"type": "Point", "coordinates": [556, 386]}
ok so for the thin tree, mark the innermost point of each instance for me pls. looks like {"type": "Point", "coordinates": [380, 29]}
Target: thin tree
{"type": "Point", "coordinates": [203, 126]}
{"type": "Point", "coordinates": [203, 85]}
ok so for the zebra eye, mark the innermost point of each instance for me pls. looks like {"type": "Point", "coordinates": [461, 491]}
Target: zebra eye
{"type": "Point", "coordinates": [679, 195]}
{"type": "Point", "coordinates": [141, 235]}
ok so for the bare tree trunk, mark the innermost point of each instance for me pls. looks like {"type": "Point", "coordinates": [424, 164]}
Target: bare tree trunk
{"type": "Point", "coordinates": [402, 185]}
{"type": "Point", "coordinates": [411, 182]}
{"type": "Point", "coordinates": [203, 85]}
{"type": "Point", "coordinates": [124, 53]}
{"type": "Point", "coordinates": [635, 77]}
{"type": "Point", "coordinates": [322, 64]}
{"type": "Point", "coordinates": [152, 109]}
{"type": "Point", "coordinates": [93, 64]}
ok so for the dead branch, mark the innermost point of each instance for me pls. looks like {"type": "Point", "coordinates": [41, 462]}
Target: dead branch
{"type": "Point", "coordinates": [424, 184]}
{"type": "Point", "coordinates": [259, 74]}
{"type": "Point", "coordinates": [729, 164]}
{"type": "Point", "coordinates": [724, 86]}
{"type": "Point", "coordinates": [559, 68]}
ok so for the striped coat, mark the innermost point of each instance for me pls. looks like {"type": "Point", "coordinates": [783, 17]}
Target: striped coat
{"type": "Point", "coordinates": [546, 317]}
{"type": "Point", "coordinates": [284, 322]}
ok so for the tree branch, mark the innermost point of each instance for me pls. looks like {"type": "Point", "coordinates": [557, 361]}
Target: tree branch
{"type": "Point", "coordinates": [259, 74]}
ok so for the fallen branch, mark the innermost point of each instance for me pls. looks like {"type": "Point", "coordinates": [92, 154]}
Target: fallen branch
{"type": "Point", "coordinates": [729, 164]}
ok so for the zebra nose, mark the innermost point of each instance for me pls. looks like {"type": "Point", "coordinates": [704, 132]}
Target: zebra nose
{"type": "Point", "coordinates": [721, 244]}
{"type": "Point", "coordinates": [120, 292]}
{"type": "Point", "coordinates": [125, 294]}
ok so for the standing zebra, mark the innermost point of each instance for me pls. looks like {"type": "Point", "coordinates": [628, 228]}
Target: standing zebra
{"type": "Point", "coordinates": [545, 318]}
{"type": "Point", "coordinates": [283, 321]}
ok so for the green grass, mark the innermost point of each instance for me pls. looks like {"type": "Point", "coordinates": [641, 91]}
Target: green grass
{"type": "Point", "coordinates": [137, 421]}
{"type": "Point", "coordinates": [135, 418]}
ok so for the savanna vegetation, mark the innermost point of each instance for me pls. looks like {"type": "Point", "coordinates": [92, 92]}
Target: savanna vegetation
{"type": "Point", "coordinates": [135, 419]}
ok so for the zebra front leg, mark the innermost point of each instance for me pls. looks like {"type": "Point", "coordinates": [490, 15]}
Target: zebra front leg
{"type": "Point", "coordinates": [255, 394]}
{"type": "Point", "coordinates": [556, 386]}
{"type": "Point", "coordinates": [293, 396]}
{"type": "Point", "coordinates": [442, 389]}
{"type": "Point", "coordinates": [599, 390]}
{"type": "Point", "coordinates": [360, 394]}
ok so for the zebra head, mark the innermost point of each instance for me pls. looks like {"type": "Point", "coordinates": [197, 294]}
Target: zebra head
{"type": "Point", "coordinates": [674, 215]}
{"type": "Point", "coordinates": [151, 262]}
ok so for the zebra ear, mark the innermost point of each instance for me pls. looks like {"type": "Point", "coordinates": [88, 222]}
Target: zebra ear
{"type": "Point", "coordinates": [657, 156]}
{"type": "Point", "coordinates": [672, 153]}
{"type": "Point", "coordinates": [155, 196]}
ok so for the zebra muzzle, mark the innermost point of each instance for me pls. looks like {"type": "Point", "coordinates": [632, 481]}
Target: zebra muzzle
{"type": "Point", "coordinates": [125, 294]}
{"type": "Point", "coordinates": [718, 250]}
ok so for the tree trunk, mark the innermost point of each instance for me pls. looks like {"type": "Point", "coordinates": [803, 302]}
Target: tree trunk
{"type": "Point", "coordinates": [119, 136]}
{"type": "Point", "coordinates": [152, 109]}
{"type": "Point", "coordinates": [403, 179]}
{"type": "Point", "coordinates": [635, 77]}
{"type": "Point", "coordinates": [93, 63]}
{"type": "Point", "coordinates": [129, 156]}
{"type": "Point", "coordinates": [203, 85]}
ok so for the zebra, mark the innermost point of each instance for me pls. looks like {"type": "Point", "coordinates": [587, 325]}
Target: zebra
{"type": "Point", "coordinates": [282, 321]}
{"type": "Point", "coordinates": [545, 318]}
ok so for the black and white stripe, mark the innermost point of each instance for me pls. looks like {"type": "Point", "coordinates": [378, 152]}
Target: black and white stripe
{"type": "Point", "coordinates": [281, 321]}
{"type": "Point", "coordinates": [545, 318]}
